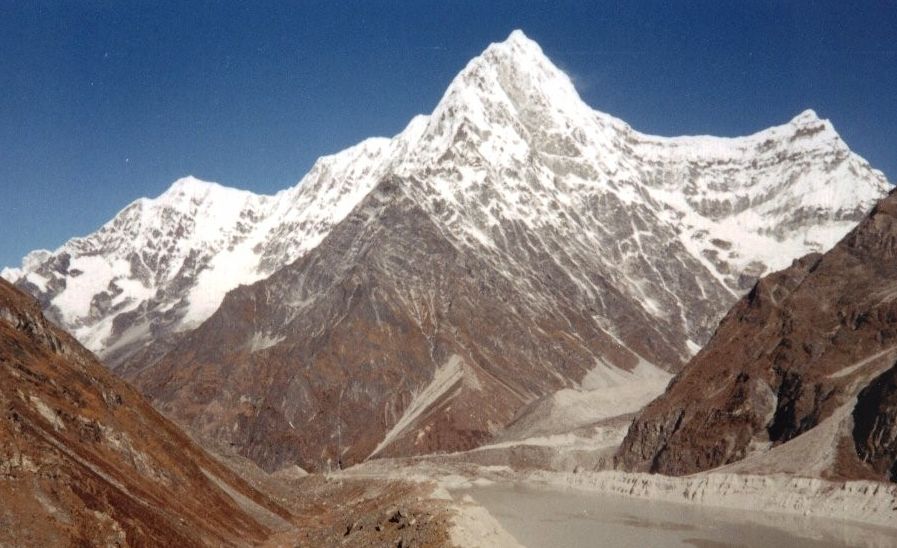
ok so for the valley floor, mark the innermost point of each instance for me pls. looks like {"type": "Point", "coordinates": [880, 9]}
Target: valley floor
{"type": "Point", "coordinates": [338, 510]}
{"type": "Point", "coordinates": [549, 482]}
{"type": "Point", "coordinates": [545, 516]}
{"type": "Point", "coordinates": [499, 506]}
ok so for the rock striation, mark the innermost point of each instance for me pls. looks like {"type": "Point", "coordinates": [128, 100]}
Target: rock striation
{"type": "Point", "coordinates": [84, 459]}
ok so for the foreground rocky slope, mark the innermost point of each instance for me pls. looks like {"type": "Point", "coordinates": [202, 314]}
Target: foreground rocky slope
{"type": "Point", "coordinates": [799, 377]}
{"type": "Point", "coordinates": [85, 460]}
{"type": "Point", "coordinates": [519, 243]}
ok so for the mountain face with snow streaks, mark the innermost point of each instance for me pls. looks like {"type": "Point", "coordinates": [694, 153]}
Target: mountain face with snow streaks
{"type": "Point", "coordinates": [493, 252]}
{"type": "Point", "coordinates": [162, 266]}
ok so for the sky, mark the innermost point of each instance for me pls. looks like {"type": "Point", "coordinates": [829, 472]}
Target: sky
{"type": "Point", "coordinates": [103, 102]}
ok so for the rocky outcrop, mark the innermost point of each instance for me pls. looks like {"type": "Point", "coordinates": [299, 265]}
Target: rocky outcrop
{"type": "Point", "coordinates": [84, 459]}
{"type": "Point", "coordinates": [811, 346]}
{"type": "Point", "coordinates": [875, 424]}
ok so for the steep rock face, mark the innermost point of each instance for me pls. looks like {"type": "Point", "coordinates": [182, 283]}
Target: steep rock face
{"type": "Point", "coordinates": [386, 339]}
{"type": "Point", "coordinates": [804, 360]}
{"type": "Point", "coordinates": [682, 225]}
{"type": "Point", "coordinates": [84, 459]}
{"type": "Point", "coordinates": [515, 241]}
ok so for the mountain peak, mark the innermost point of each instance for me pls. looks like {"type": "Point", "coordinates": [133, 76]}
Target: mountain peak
{"type": "Point", "coordinates": [517, 35]}
{"type": "Point", "coordinates": [190, 189]}
{"type": "Point", "coordinates": [191, 185]}
{"type": "Point", "coordinates": [512, 79]}
{"type": "Point", "coordinates": [808, 115]}
{"type": "Point", "coordinates": [520, 54]}
{"type": "Point", "coordinates": [809, 124]}
{"type": "Point", "coordinates": [31, 261]}
{"type": "Point", "coordinates": [810, 120]}
{"type": "Point", "coordinates": [520, 43]}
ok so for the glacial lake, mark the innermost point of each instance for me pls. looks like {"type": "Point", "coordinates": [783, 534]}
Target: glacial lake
{"type": "Point", "coordinates": [559, 517]}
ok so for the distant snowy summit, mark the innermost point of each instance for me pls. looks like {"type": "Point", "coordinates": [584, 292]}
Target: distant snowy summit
{"type": "Point", "coordinates": [678, 226]}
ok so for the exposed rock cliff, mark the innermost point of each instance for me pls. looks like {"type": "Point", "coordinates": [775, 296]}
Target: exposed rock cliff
{"type": "Point", "coordinates": [799, 377]}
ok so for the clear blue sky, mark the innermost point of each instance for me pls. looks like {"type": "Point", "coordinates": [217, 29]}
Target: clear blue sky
{"type": "Point", "coordinates": [104, 102]}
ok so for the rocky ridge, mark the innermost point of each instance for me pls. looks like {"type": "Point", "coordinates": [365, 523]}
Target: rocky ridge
{"type": "Point", "coordinates": [85, 459]}
{"type": "Point", "coordinates": [799, 377]}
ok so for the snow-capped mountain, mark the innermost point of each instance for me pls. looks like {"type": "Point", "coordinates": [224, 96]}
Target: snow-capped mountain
{"type": "Point", "coordinates": [514, 242]}
{"type": "Point", "coordinates": [163, 265]}
{"type": "Point", "coordinates": [499, 249]}
{"type": "Point", "coordinates": [510, 142]}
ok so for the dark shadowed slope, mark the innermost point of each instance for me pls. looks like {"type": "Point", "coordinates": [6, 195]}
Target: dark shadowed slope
{"type": "Point", "coordinates": [388, 338]}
